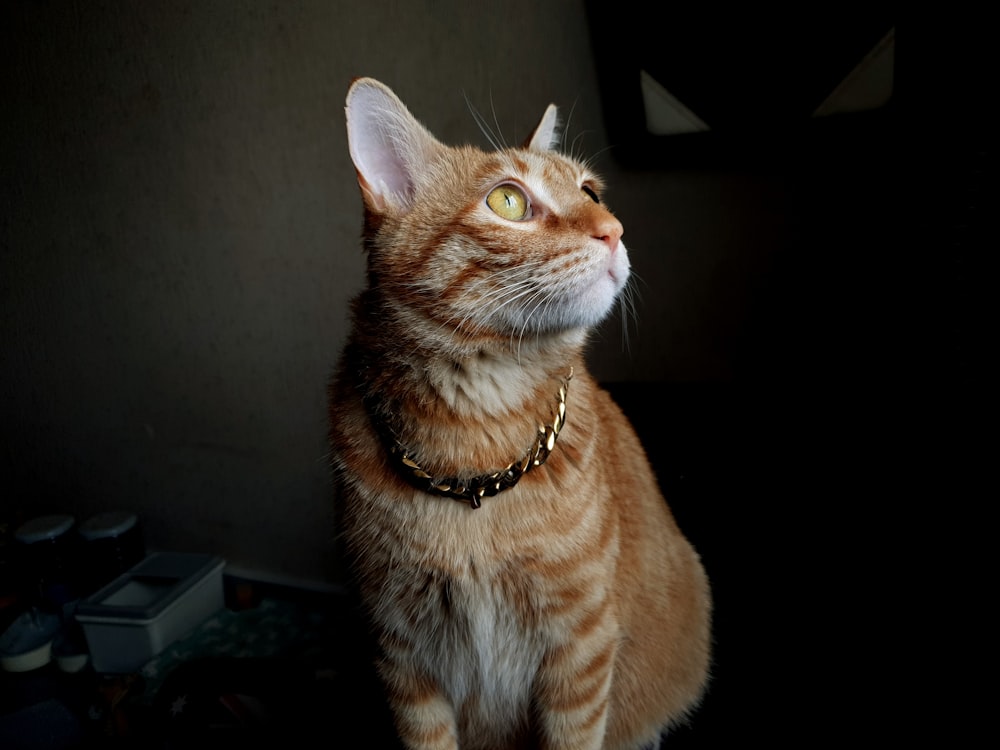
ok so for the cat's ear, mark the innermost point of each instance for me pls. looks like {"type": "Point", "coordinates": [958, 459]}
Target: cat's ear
{"type": "Point", "coordinates": [388, 146]}
{"type": "Point", "coordinates": [545, 137]}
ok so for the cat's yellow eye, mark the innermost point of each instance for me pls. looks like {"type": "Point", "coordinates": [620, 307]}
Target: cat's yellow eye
{"type": "Point", "coordinates": [508, 202]}
{"type": "Point", "coordinates": [590, 192]}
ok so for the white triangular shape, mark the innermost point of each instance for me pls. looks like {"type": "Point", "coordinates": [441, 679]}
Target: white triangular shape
{"type": "Point", "coordinates": [868, 86]}
{"type": "Point", "coordinates": [665, 114]}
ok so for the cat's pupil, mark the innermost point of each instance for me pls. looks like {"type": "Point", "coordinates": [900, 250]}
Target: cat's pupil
{"type": "Point", "coordinates": [509, 202]}
{"type": "Point", "coordinates": [590, 191]}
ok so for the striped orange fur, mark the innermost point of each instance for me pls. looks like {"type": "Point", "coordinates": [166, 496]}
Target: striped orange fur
{"type": "Point", "coordinates": [568, 612]}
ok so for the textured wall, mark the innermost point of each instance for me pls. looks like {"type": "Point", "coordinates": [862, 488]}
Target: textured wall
{"type": "Point", "coordinates": [179, 243]}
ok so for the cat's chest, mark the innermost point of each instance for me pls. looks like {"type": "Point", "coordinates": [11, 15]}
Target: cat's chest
{"type": "Point", "coordinates": [476, 638]}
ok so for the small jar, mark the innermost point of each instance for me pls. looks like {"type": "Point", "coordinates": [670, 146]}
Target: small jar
{"type": "Point", "coordinates": [48, 554]}
{"type": "Point", "coordinates": [112, 543]}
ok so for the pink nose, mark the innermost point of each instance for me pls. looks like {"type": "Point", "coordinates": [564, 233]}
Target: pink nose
{"type": "Point", "coordinates": [609, 231]}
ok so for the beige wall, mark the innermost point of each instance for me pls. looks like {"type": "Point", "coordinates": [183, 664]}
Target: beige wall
{"type": "Point", "coordinates": [179, 243]}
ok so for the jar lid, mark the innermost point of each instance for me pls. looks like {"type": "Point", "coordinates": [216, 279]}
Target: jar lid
{"type": "Point", "coordinates": [109, 524]}
{"type": "Point", "coordinates": [43, 528]}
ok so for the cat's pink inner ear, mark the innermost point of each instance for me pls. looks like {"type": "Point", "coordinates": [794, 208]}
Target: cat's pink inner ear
{"type": "Point", "coordinates": [382, 171]}
{"type": "Point", "coordinates": [387, 145]}
{"type": "Point", "coordinates": [545, 136]}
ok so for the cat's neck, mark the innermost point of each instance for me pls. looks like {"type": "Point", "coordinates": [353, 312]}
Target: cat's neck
{"type": "Point", "coordinates": [469, 376]}
{"type": "Point", "coordinates": [494, 383]}
{"type": "Point", "coordinates": [461, 413]}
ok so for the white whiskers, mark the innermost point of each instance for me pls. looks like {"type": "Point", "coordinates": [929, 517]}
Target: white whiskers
{"type": "Point", "coordinates": [495, 137]}
{"type": "Point", "coordinates": [629, 299]}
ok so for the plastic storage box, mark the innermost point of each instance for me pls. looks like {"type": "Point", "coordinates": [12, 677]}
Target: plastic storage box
{"type": "Point", "coordinates": [145, 609]}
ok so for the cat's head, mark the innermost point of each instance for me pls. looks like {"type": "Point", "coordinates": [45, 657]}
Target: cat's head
{"type": "Point", "coordinates": [496, 244]}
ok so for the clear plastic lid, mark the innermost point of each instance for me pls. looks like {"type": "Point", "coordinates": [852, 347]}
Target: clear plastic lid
{"type": "Point", "coordinates": [110, 524]}
{"type": "Point", "coordinates": [44, 528]}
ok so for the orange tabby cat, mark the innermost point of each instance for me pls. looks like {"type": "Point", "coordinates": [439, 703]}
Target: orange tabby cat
{"type": "Point", "coordinates": [524, 577]}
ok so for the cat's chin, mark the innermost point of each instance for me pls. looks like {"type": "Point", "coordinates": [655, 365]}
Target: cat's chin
{"type": "Point", "coordinates": [587, 307]}
{"type": "Point", "coordinates": [565, 323]}
{"type": "Point", "coordinates": [595, 298]}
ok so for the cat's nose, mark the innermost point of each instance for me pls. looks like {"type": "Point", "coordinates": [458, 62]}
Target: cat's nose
{"type": "Point", "coordinates": [609, 231]}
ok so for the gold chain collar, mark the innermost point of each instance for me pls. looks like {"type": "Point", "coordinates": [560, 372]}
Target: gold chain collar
{"type": "Point", "coordinates": [473, 490]}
